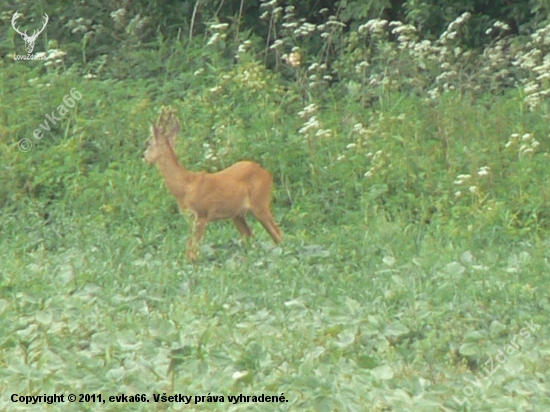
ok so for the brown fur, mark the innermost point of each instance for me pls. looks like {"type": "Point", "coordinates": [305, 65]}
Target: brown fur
{"type": "Point", "coordinates": [228, 194]}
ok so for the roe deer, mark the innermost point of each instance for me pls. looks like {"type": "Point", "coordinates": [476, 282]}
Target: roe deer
{"type": "Point", "coordinates": [228, 194]}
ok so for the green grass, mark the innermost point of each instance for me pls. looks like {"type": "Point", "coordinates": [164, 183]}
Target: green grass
{"type": "Point", "coordinates": [389, 292]}
{"type": "Point", "coordinates": [379, 318]}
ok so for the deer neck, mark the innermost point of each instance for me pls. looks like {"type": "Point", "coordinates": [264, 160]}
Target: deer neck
{"type": "Point", "coordinates": [176, 177]}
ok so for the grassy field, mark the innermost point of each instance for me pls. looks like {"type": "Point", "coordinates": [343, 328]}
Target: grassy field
{"type": "Point", "coordinates": [413, 275]}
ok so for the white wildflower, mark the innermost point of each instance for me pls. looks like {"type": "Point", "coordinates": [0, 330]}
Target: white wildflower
{"type": "Point", "coordinates": [460, 179]}
{"type": "Point", "coordinates": [219, 26]}
{"type": "Point", "coordinates": [276, 44]}
{"type": "Point", "coordinates": [483, 171]}
{"type": "Point", "coordinates": [213, 39]}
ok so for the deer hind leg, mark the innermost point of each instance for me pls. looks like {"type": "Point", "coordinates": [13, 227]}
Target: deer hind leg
{"type": "Point", "coordinates": [266, 219]}
{"type": "Point", "coordinates": [195, 237]}
{"type": "Point", "coordinates": [242, 226]}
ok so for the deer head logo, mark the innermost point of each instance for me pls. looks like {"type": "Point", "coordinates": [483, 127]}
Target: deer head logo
{"type": "Point", "coordinates": [29, 40]}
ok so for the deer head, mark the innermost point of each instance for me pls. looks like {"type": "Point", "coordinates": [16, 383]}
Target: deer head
{"type": "Point", "coordinates": [29, 40]}
{"type": "Point", "coordinates": [163, 135]}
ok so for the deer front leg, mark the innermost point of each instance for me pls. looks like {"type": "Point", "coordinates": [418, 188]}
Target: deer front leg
{"type": "Point", "coordinates": [198, 224]}
{"type": "Point", "coordinates": [190, 249]}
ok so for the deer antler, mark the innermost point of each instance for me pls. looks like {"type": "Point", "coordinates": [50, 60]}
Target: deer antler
{"type": "Point", "coordinates": [168, 124]}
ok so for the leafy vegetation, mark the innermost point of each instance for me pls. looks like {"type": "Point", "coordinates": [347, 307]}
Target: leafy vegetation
{"type": "Point", "coordinates": [410, 168]}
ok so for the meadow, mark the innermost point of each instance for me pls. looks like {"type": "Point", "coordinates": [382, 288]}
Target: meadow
{"type": "Point", "coordinates": [410, 181]}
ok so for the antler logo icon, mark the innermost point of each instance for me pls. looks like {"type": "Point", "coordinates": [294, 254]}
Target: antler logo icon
{"type": "Point", "coordinates": [29, 40]}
